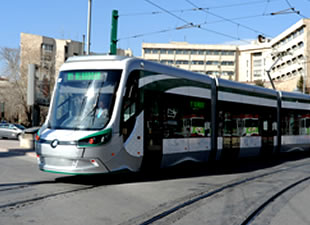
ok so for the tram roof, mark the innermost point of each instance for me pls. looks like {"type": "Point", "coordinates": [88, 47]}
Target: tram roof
{"type": "Point", "coordinates": [294, 96]}
{"type": "Point", "coordinates": [132, 63]}
{"type": "Point", "coordinates": [234, 86]}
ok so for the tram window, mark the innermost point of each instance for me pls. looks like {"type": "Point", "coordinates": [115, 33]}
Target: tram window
{"type": "Point", "coordinates": [295, 122]}
{"type": "Point", "coordinates": [63, 111]}
{"type": "Point", "coordinates": [185, 116]}
{"type": "Point", "coordinates": [265, 125]}
{"type": "Point", "coordinates": [130, 101]}
{"type": "Point", "coordinates": [237, 119]}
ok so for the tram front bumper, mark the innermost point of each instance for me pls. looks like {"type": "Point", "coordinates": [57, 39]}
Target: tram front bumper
{"type": "Point", "coordinates": [67, 159]}
{"type": "Point", "coordinates": [71, 166]}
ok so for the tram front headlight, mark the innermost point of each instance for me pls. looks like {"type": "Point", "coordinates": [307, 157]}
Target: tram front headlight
{"type": "Point", "coordinates": [96, 139]}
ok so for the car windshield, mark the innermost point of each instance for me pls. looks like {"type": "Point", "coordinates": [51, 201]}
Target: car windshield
{"type": "Point", "coordinates": [20, 126]}
{"type": "Point", "coordinates": [84, 100]}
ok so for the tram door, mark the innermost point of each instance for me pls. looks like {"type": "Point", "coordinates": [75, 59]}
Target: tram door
{"type": "Point", "coordinates": [231, 138]}
{"type": "Point", "coordinates": [269, 132]}
{"type": "Point", "coordinates": [153, 130]}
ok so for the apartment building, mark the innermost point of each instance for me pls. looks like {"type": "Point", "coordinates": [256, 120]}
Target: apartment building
{"type": "Point", "coordinates": [213, 60]}
{"type": "Point", "coordinates": [48, 54]}
{"type": "Point", "coordinates": [253, 61]}
{"type": "Point", "coordinates": [285, 56]}
{"type": "Point", "coordinates": [290, 52]}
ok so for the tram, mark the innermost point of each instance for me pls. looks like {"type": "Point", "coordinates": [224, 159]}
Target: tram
{"type": "Point", "coordinates": [111, 113]}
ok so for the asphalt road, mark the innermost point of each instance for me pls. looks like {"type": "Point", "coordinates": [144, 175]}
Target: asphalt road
{"type": "Point", "coordinates": [274, 191]}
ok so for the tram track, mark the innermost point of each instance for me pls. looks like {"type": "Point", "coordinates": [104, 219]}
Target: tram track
{"type": "Point", "coordinates": [16, 186]}
{"type": "Point", "coordinates": [38, 191]}
{"type": "Point", "coordinates": [157, 216]}
{"type": "Point", "coordinates": [251, 218]}
{"type": "Point", "coordinates": [32, 195]}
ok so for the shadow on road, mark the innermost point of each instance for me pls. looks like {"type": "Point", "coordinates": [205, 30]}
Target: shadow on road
{"type": "Point", "coordinates": [184, 170]}
{"type": "Point", "coordinates": [15, 152]}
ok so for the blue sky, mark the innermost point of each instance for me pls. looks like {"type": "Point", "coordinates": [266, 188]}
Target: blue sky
{"type": "Point", "coordinates": [159, 21]}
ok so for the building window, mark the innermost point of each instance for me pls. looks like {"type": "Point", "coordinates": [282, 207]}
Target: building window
{"type": "Point", "coordinates": [147, 51]}
{"type": "Point", "coordinates": [256, 54]}
{"type": "Point", "coordinates": [182, 62]}
{"type": "Point", "coordinates": [301, 31]}
{"type": "Point", "coordinates": [213, 62]}
{"type": "Point", "coordinates": [47, 47]}
{"type": "Point", "coordinates": [194, 52]}
{"type": "Point", "coordinates": [227, 63]}
{"type": "Point", "coordinates": [201, 52]}
{"type": "Point", "coordinates": [167, 62]}
{"type": "Point", "coordinates": [197, 62]}
{"type": "Point", "coordinates": [257, 73]}
{"type": "Point", "coordinates": [301, 44]}
{"type": "Point", "coordinates": [300, 57]}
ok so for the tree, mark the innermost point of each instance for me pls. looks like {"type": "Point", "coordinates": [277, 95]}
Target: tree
{"type": "Point", "coordinates": [259, 83]}
{"type": "Point", "coordinates": [14, 96]}
{"type": "Point", "coordinates": [300, 84]}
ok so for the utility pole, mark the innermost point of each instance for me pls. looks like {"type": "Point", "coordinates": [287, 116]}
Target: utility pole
{"type": "Point", "coordinates": [88, 27]}
{"type": "Point", "coordinates": [31, 96]}
{"type": "Point", "coordinates": [113, 43]}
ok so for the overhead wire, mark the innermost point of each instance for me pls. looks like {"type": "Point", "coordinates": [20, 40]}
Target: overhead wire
{"type": "Point", "coordinates": [195, 9]}
{"type": "Point", "coordinates": [167, 11]}
{"type": "Point", "coordinates": [228, 20]}
{"type": "Point", "coordinates": [191, 24]}
{"type": "Point", "coordinates": [294, 10]}
{"type": "Point", "coordinates": [155, 32]}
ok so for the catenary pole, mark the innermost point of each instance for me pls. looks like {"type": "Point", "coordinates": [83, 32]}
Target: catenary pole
{"type": "Point", "coordinates": [88, 27]}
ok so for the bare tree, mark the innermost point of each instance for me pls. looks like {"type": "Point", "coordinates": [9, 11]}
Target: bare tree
{"type": "Point", "coordinates": [15, 95]}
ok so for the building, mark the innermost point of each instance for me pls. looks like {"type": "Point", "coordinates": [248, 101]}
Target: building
{"type": "Point", "coordinates": [214, 60]}
{"type": "Point", "coordinates": [285, 57]}
{"type": "Point", "coordinates": [289, 54]}
{"type": "Point", "coordinates": [48, 54]}
{"type": "Point", "coordinates": [124, 52]}
{"type": "Point", "coordinates": [253, 61]}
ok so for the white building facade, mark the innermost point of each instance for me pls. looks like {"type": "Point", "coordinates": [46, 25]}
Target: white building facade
{"type": "Point", "coordinates": [213, 60]}
{"type": "Point", "coordinates": [290, 52]}
{"type": "Point", "coordinates": [286, 57]}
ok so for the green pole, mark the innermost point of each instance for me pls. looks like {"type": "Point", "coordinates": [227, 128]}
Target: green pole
{"type": "Point", "coordinates": [114, 33]}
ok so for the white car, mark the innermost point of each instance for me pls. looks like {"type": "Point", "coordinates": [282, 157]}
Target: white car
{"type": "Point", "coordinates": [11, 131]}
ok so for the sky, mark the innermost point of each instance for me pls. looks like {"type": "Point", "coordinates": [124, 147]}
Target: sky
{"type": "Point", "coordinates": [150, 21]}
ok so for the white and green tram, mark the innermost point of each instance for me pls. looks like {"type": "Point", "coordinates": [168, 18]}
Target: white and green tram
{"type": "Point", "coordinates": [110, 113]}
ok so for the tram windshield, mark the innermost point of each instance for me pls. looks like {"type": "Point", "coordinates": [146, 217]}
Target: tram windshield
{"type": "Point", "coordinates": [84, 100]}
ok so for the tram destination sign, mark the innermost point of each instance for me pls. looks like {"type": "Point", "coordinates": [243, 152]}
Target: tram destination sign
{"type": "Point", "coordinates": [85, 75]}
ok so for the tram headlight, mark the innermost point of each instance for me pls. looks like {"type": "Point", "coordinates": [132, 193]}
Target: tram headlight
{"type": "Point", "coordinates": [96, 139]}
